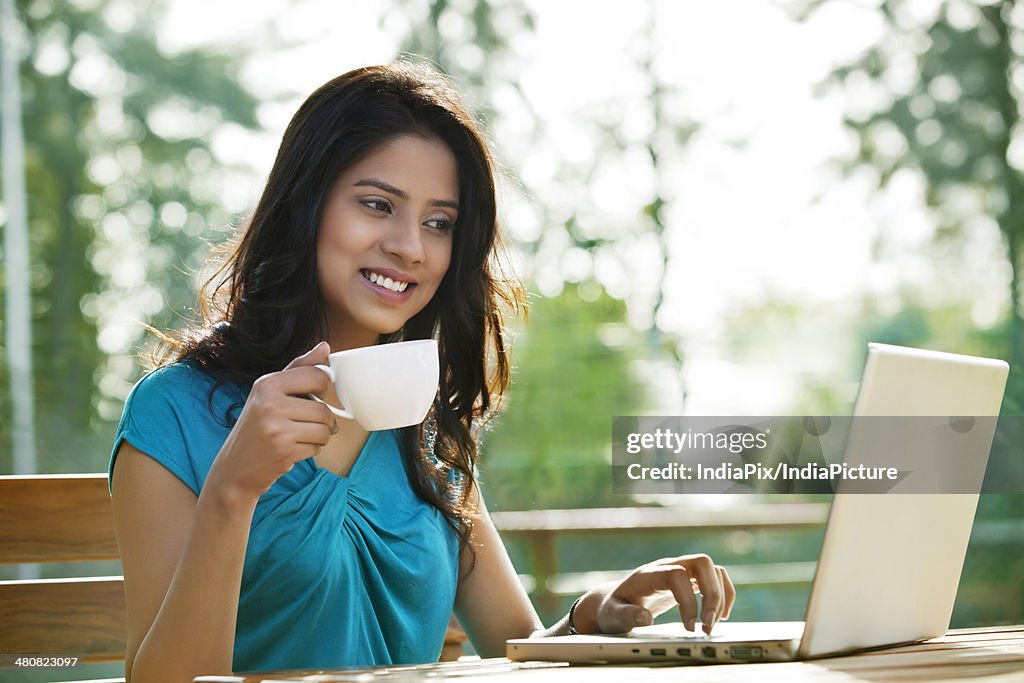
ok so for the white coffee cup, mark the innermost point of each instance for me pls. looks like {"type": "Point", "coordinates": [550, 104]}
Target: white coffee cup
{"type": "Point", "coordinates": [384, 386]}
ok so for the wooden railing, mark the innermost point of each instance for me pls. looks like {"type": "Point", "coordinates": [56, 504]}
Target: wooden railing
{"type": "Point", "coordinates": [541, 530]}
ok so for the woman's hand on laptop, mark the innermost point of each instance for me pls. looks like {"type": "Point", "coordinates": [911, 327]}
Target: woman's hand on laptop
{"type": "Point", "coordinates": [655, 588]}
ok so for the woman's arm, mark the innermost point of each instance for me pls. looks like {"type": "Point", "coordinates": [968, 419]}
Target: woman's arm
{"type": "Point", "coordinates": [182, 559]}
{"type": "Point", "coordinates": [182, 555]}
{"type": "Point", "coordinates": [492, 606]}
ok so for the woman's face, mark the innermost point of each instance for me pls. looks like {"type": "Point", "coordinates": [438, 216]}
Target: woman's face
{"type": "Point", "coordinates": [385, 238]}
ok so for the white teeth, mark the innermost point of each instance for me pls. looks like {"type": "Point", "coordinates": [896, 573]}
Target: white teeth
{"type": "Point", "coordinates": [386, 282]}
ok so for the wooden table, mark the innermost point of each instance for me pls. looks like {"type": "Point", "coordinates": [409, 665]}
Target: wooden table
{"type": "Point", "coordinates": [979, 655]}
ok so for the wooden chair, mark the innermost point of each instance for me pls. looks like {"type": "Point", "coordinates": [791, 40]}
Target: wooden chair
{"type": "Point", "coordinates": [67, 518]}
{"type": "Point", "coordinates": [60, 518]}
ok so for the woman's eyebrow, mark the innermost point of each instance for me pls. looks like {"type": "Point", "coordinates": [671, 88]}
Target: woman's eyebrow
{"type": "Point", "coordinates": [402, 194]}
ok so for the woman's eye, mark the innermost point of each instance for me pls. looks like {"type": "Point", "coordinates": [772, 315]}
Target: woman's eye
{"type": "Point", "coordinates": [378, 205]}
{"type": "Point", "coordinates": [440, 224]}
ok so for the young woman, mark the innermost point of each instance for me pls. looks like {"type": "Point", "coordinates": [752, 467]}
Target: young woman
{"type": "Point", "coordinates": [256, 531]}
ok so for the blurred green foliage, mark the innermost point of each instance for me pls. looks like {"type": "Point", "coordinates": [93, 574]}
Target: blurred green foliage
{"type": "Point", "coordinates": [124, 196]}
{"type": "Point", "coordinates": [551, 446]}
{"type": "Point", "coordinates": [956, 123]}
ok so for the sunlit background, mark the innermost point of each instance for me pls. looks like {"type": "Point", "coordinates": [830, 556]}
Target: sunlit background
{"type": "Point", "coordinates": [713, 205]}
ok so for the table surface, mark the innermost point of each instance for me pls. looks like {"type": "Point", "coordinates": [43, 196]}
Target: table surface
{"type": "Point", "coordinates": [990, 654]}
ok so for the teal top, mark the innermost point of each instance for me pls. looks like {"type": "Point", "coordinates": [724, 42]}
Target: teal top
{"type": "Point", "coordinates": [339, 571]}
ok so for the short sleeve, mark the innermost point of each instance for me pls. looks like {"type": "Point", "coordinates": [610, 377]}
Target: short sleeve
{"type": "Point", "coordinates": [167, 417]}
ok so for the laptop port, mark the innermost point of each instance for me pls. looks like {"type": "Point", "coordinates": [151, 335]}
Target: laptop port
{"type": "Point", "coordinates": [708, 652]}
{"type": "Point", "coordinates": [658, 652]}
{"type": "Point", "coordinates": [747, 652]}
{"type": "Point", "coordinates": [683, 652]}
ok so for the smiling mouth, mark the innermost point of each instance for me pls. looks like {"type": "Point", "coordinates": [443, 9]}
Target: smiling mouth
{"type": "Point", "coordinates": [386, 282]}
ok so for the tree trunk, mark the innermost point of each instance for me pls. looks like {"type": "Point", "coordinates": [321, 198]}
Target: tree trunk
{"type": "Point", "coordinates": [18, 324]}
{"type": "Point", "coordinates": [18, 327]}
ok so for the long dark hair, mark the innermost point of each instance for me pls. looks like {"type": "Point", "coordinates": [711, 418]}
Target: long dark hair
{"type": "Point", "coordinates": [262, 306]}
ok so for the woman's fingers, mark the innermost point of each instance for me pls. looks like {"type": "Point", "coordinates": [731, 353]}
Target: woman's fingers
{"type": "Point", "coordinates": [312, 433]}
{"type": "Point", "coordinates": [300, 381]}
{"type": "Point", "coordinates": [709, 585]}
{"type": "Point", "coordinates": [679, 582]}
{"type": "Point", "coordinates": [683, 577]}
{"type": "Point", "coordinates": [652, 589]}
{"type": "Point", "coordinates": [318, 355]}
{"type": "Point", "coordinates": [686, 597]}
{"type": "Point", "coordinates": [293, 426]}
{"type": "Point", "coordinates": [305, 410]}
{"type": "Point", "coordinates": [730, 592]}
{"type": "Point", "coordinates": [648, 581]}
{"type": "Point", "coordinates": [618, 616]}
{"type": "Point", "coordinates": [707, 582]}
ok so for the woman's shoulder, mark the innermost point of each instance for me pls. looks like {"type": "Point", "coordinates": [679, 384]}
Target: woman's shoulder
{"type": "Point", "coordinates": [174, 375]}
{"type": "Point", "coordinates": [185, 394]}
{"type": "Point", "coordinates": [179, 414]}
{"type": "Point", "coordinates": [177, 382]}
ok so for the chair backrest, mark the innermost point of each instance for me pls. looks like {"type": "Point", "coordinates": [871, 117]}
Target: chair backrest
{"type": "Point", "coordinates": [60, 518]}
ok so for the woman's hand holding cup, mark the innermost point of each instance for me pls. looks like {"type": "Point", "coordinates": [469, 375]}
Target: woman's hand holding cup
{"type": "Point", "coordinates": [278, 427]}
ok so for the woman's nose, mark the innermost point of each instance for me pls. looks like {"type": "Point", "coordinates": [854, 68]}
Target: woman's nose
{"type": "Point", "coordinates": [404, 241]}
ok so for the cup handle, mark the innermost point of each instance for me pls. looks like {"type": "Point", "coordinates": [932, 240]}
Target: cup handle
{"type": "Point", "coordinates": [329, 371]}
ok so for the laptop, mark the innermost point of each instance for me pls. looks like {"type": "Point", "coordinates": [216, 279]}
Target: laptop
{"type": "Point", "coordinates": [889, 565]}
